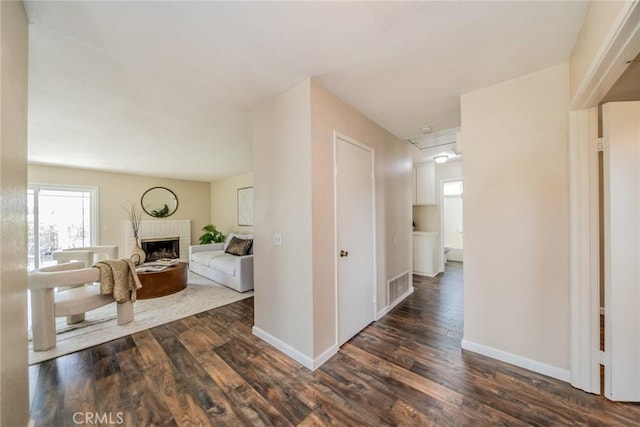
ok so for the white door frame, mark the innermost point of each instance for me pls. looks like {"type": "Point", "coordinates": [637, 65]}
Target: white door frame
{"type": "Point", "coordinates": [336, 137]}
{"type": "Point", "coordinates": [584, 250]}
{"type": "Point", "coordinates": [623, 44]}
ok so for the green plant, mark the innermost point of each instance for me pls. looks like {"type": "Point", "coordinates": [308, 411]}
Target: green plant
{"type": "Point", "coordinates": [164, 212]}
{"type": "Point", "coordinates": [211, 235]}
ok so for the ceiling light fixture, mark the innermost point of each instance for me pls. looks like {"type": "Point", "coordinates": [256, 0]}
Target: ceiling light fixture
{"type": "Point", "coordinates": [441, 158]}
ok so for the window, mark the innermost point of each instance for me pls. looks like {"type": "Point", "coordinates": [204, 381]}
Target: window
{"type": "Point", "coordinates": [452, 188]}
{"type": "Point", "coordinates": [59, 217]}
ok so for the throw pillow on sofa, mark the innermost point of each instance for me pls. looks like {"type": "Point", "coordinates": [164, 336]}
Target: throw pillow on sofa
{"type": "Point", "coordinates": [239, 247]}
{"type": "Point", "coordinates": [231, 235]}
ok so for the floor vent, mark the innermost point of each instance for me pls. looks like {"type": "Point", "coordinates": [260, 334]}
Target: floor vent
{"type": "Point", "coordinates": [398, 286]}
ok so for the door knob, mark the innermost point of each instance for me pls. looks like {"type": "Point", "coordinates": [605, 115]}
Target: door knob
{"type": "Point", "coordinates": [344, 254]}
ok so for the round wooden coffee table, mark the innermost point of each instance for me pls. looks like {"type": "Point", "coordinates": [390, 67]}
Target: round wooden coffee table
{"type": "Point", "coordinates": [160, 283]}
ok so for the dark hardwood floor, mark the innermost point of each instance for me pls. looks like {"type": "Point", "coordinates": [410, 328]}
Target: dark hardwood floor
{"type": "Point", "coordinates": [407, 369]}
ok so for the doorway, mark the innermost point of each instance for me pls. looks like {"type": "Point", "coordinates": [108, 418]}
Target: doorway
{"type": "Point", "coordinates": [452, 231]}
{"type": "Point", "coordinates": [355, 237]}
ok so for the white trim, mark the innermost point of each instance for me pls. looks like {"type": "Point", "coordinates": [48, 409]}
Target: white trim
{"type": "Point", "coordinates": [95, 216]}
{"type": "Point", "coordinates": [388, 308]}
{"type": "Point", "coordinates": [324, 356]}
{"type": "Point", "coordinates": [520, 361]}
{"type": "Point", "coordinates": [622, 44]}
{"type": "Point", "coordinates": [426, 275]}
{"type": "Point", "coordinates": [298, 356]}
{"type": "Point", "coordinates": [584, 262]}
{"type": "Point", "coordinates": [336, 136]}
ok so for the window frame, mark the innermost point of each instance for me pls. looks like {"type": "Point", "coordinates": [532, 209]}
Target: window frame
{"type": "Point", "coordinates": [36, 187]}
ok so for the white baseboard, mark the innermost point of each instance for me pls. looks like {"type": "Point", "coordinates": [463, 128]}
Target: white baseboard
{"type": "Point", "coordinates": [417, 273]}
{"type": "Point", "coordinates": [520, 361]}
{"type": "Point", "coordinates": [324, 356]}
{"type": "Point", "coordinates": [388, 308]}
{"type": "Point", "coordinates": [298, 356]}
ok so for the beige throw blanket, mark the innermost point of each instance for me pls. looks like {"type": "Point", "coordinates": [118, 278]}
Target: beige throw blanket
{"type": "Point", "coordinates": [118, 277]}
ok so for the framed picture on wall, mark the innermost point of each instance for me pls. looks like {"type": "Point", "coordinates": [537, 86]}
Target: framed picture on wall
{"type": "Point", "coordinates": [245, 206]}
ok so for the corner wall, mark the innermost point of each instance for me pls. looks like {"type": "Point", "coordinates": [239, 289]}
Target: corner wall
{"type": "Point", "coordinates": [516, 221]}
{"type": "Point", "coordinates": [224, 203]}
{"type": "Point", "coordinates": [295, 301]}
{"type": "Point", "coordinates": [14, 386]}
{"type": "Point", "coordinates": [283, 278]}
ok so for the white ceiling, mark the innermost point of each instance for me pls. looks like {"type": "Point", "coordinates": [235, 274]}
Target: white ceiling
{"type": "Point", "coordinates": [167, 88]}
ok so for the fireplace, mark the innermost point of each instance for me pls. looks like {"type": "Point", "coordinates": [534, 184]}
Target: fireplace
{"type": "Point", "coordinates": [165, 247]}
{"type": "Point", "coordinates": [160, 229]}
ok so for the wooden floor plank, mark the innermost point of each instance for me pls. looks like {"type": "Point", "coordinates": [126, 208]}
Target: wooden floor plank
{"type": "Point", "coordinates": [48, 402]}
{"type": "Point", "coordinates": [150, 351]}
{"type": "Point", "coordinates": [407, 369]}
{"type": "Point", "coordinates": [114, 399]}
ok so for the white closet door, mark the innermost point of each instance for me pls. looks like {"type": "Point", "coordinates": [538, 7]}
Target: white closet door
{"type": "Point", "coordinates": [621, 132]}
{"type": "Point", "coordinates": [355, 238]}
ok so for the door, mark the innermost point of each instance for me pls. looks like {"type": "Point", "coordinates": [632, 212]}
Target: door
{"type": "Point", "coordinates": [621, 132]}
{"type": "Point", "coordinates": [355, 243]}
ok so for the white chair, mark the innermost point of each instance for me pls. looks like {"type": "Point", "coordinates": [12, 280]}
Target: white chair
{"type": "Point", "coordinates": [80, 254]}
{"type": "Point", "coordinates": [46, 304]}
{"type": "Point", "coordinates": [89, 255]}
{"type": "Point", "coordinates": [64, 256]}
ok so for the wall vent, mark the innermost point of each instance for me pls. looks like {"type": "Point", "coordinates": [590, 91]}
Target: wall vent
{"type": "Point", "coordinates": [398, 286]}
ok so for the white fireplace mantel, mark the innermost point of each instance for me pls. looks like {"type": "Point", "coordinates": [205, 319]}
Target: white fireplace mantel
{"type": "Point", "coordinates": [161, 228]}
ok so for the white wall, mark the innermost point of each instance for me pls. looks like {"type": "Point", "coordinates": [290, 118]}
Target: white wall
{"type": "Point", "coordinates": [282, 203]}
{"type": "Point", "coordinates": [516, 293]}
{"type": "Point", "coordinates": [14, 400]}
{"type": "Point", "coordinates": [224, 203]}
{"type": "Point", "coordinates": [116, 190]}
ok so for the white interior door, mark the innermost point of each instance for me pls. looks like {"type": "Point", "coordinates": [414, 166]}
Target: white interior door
{"type": "Point", "coordinates": [621, 131]}
{"type": "Point", "coordinates": [354, 238]}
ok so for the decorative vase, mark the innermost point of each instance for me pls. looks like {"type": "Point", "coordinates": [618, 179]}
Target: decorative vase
{"type": "Point", "coordinates": [137, 254]}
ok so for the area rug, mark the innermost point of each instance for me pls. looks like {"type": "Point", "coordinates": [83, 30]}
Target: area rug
{"type": "Point", "coordinates": [100, 325]}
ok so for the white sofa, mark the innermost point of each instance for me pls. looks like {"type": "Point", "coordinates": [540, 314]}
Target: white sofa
{"type": "Point", "coordinates": [212, 262]}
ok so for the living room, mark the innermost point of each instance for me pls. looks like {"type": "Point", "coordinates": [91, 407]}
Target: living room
{"type": "Point", "coordinates": [199, 202]}
{"type": "Point", "coordinates": [533, 324]}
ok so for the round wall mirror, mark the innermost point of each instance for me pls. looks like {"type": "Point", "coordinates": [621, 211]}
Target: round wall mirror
{"type": "Point", "coordinates": [159, 202]}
